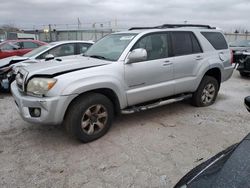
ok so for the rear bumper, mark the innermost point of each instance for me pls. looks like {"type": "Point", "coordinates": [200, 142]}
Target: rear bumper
{"type": "Point", "coordinates": [243, 68]}
{"type": "Point", "coordinates": [52, 108]}
{"type": "Point", "coordinates": [227, 73]}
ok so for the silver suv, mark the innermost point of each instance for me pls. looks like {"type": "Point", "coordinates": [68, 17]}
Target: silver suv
{"type": "Point", "coordinates": [125, 72]}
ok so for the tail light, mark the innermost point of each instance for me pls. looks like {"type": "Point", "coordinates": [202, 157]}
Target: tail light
{"type": "Point", "coordinates": [232, 57]}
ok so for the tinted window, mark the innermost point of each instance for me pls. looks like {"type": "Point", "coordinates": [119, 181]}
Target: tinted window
{"type": "Point", "coordinates": [181, 43]}
{"type": "Point", "coordinates": [216, 39]}
{"type": "Point", "coordinates": [29, 45]}
{"type": "Point", "coordinates": [195, 44]}
{"type": "Point", "coordinates": [156, 45]}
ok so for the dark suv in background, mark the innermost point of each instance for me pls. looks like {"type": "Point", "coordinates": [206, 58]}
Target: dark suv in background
{"type": "Point", "coordinates": [241, 56]}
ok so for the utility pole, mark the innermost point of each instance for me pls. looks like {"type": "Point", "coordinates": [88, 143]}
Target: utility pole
{"type": "Point", "coordinates": [50, 34]}
{"type": "Point", "coordinates": [78, 26]}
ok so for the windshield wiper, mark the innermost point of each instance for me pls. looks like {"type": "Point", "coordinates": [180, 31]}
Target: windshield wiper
{"type": "Point", "coordinates": [97, 56]}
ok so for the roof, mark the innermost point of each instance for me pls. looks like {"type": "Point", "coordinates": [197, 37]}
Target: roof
{"type": "Point", "coordinates": [71, 41]}
{"type": "Point", "coordinates": [25, 40]}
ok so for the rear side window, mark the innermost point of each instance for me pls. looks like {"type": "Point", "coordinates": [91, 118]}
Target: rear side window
{"type": "Point", "coordinates": [29, 45]}
{"type": "Point", "coordinates": [184, 43]}
{"type": "Point", "coordinates": [216, 39]}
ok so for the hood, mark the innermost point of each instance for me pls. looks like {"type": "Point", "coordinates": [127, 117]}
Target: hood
{"type": "Point", "coordinates": [239, 48]}
{"type": "Point", "coordinates": [55, 67]}
{"type": "Point", "coordinates": [228, 169]}
{"type": "Point", "coordinates": [11, 60]}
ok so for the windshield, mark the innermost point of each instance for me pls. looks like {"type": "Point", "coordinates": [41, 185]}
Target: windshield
{"type": "Point", "coordinates": [110, 47]}
{"type": "Point", "coordinates": [37, 51]}
{"type": "Point", "coordinates": [243, 43]}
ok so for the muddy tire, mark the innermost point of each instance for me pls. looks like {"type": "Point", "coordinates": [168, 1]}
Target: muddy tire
{"type": "Point", "coordinates": [89, 117]}
{"type": "Point", "coordinates": [206, 93]}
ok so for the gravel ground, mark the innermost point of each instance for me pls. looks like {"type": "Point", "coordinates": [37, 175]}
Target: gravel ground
{"type": "Point", "coordinates": [154, 148]}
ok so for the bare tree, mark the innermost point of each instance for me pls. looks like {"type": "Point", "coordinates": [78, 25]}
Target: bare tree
{"type": "Point", "coordinates": [9, 28]}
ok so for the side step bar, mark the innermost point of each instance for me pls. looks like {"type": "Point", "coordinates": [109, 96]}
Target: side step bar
{"type": "Point", "coordinates": [154, 105]}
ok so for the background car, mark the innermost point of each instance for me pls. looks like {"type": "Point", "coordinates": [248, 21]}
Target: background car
{"type": "Point", "coordinates": [238, 47]}
{"type": "Point", "coordinates": [18, 47]}
{"type": "Point", "coordinates": [243, 64]}
{"type": "Point", "coordinates": [228, 169]}
{"type": "Point", "coordinates": [62, 50]}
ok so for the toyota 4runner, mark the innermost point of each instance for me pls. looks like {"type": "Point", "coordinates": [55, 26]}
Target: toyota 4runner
{"type": "Point", "coordinates": [125, 72]}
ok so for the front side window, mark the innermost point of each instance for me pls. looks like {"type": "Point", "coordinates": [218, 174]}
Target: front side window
{"type": "Point", "coordinates": [155, 44]}
{"type": "Point", "coordinates": [110, 47]}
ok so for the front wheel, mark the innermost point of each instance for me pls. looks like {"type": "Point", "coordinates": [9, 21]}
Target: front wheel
{"type": "Point", "coordinates": [206, 93]}
{"type": "Point", "coordinates": [89, 117]}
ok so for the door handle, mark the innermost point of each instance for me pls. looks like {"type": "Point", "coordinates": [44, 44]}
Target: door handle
{"type": "Point", "coordinates": [198, 58]}
{"type": "Point", "coordinates": [166, 63]}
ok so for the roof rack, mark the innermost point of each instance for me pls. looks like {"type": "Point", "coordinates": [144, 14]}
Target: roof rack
{"type": "Point", "coordinates": [164, 26]}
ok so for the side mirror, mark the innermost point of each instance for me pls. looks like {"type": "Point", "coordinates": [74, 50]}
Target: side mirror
{"type": "Point", "coordinates": [49, 57]}
{"type": "Point", "coordinates": [137, 55]}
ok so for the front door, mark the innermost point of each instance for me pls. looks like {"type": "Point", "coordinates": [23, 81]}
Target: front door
{"type": "Point", "coordinates": [153, 78]}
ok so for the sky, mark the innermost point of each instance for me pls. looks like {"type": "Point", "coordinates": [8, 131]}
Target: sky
{"type": "Point", "coordinates": [33, 14]}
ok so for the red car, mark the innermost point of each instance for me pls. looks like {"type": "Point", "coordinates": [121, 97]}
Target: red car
{"type": "Point", "coordinates": [18, 47]}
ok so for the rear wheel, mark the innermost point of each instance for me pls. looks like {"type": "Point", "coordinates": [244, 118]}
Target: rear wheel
{"type": "Point", "coordinates": [206, 93]}
{"type": "Point", "coordinates": [89, 117]}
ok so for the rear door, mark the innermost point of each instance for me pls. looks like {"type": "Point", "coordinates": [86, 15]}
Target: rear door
{"type": "Point", "coordinates": [153, 78]}
{"type": "Point", "coordinates": [187, 57]}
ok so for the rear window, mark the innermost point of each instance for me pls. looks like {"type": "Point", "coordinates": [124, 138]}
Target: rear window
{"type": "Point", "coordinates": [216, 39]}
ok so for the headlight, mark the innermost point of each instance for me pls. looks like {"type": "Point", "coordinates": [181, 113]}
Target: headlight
{"type": "Point", "coordinates": [40, 86]}
{"type": "Point", "coordinates": [16, 69]}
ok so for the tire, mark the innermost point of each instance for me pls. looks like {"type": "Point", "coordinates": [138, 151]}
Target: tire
{"type": "Point", "coordinates": [243, 74]}
{"type": "Point", "coordinates": [89, 117]}
{"type": "Point", "coordinates": [206, 93]}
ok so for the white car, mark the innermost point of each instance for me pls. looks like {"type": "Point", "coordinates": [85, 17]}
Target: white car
{"type": "Point", "coordinates": [55, 50]}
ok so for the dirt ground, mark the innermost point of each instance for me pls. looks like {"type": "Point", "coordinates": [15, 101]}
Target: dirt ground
{"type": "Point", "coordinates": [154, 148]}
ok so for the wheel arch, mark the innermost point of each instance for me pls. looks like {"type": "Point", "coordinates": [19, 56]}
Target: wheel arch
{"type": "Point", "coordinates": [109, 93]}
{"type": "Point", "coordinates": [214, 72]}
